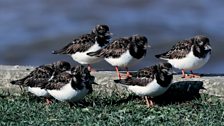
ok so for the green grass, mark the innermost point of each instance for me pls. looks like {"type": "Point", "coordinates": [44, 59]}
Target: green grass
{"type": "Point", "coordinates": [117, 110]}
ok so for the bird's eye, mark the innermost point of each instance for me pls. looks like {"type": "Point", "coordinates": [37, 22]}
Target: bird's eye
{"type": "Point", "coordinates": [201, 43]}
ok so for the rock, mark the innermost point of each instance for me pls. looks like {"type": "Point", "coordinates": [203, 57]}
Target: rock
{"type": "Point", "coordinates": [213, 83]}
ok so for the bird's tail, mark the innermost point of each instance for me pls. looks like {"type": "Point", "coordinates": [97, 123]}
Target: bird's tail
{"type": "Point", "coordinates": [158, 56]}
{"type": "Point", "coordinates": [60, 51]}
{"type": "Point", "coordinates": [162, 56]}
{"type": "Point", "coordinates": [64, 50]}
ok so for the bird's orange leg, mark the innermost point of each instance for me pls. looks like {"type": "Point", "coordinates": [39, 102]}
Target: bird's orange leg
{"type": "Point", "coordinates": [90, 68]}
{"type": "Point", "coordinates": [127, 74]}
{"type": "Point", "coordinates": [149, 102]}
{"type": "Point", "coordinates": [118, 73]}
{"type": "Point", "coordinates": [183, 74]}
{"type": "Point", "coordinates": [48, 101]}
{"type": "Point", "coordinates": [192, 75]}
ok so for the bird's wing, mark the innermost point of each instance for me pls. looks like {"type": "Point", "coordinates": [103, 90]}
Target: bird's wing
{"type": "Point", "coordinates": [143, 77]}
{"type": "Point", "coordinates": [58, 81]}
{"type": "Point", "coordinates": [38, 74]}
{"type": "Point", "coordinates": [81, 44]}
{"type": "Point", "coordinates": [132, 81]}
{"type": "Point", "coordinates": [179, 50]}
{"type": "Point", "coordinates": [114, 50]}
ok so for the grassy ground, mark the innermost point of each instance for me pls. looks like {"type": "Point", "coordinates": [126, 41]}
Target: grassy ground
{"type": "Point", "coordinates": [117, 110]}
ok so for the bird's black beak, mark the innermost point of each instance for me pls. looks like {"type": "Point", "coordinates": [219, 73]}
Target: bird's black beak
{"type": "Point", "coordinates": [208, 47]}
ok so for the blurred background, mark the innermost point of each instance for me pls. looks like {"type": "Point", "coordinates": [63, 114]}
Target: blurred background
{"type": "Point", "coordinates": [30, 30]}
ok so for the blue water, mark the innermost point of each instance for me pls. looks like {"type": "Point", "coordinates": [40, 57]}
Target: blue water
{"type": "Point", "coordinates": [30, 30]}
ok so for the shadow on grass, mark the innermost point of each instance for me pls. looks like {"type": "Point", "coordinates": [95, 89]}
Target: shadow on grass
{"type": "Point", "coordinates": [112, 101]}
{"type": "Point", "coordinates": [180, 92]}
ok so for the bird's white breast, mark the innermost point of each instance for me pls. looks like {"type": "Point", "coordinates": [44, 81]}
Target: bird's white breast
{"type": "Point", "coordinates": [153, 89]}
{"type": "Point", "coordinates": [67, 93]}
{"type": "Point", "coordinates": [190, 62]}
{"type": "Point", "coordinates": [83, 58]}
{"type": "Point", "coordinates": [124, 60]}
{"type": "Point", "coordinates": [38, 91]}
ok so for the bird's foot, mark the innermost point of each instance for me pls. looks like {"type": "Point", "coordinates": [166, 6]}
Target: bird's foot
{"type": "Point", "coordinates": [91, 69]}
{"type": "Point", "coordinates": [149, 102]}
{"type": "Point", "coordinates": [48, 101]}
{"type": "Point", "coordinates": [128, 75]}
{"type": "Point", "coordinates": [195, 76]}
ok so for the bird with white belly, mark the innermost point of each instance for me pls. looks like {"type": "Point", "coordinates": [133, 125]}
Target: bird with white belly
{"type": "Point", "coordinates": [123, 52]}
{"type": "Point", "coordinates": [98, 38]}
{"type": "Point", "coordinates": [189, 54]}
{"type": "Point", "coordinates": [150, 81]}
{"type": "Point", "coordinates": [40, 76]}
{"type": "Point", "coordinates": [71, 86]}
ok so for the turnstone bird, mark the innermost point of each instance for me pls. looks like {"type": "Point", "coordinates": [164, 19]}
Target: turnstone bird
{"type": "Point", "coordinates": [189, 54]}
{"type": "Point", "coordinates": [123, 52]}
{"type": "Point", "coordinates": [71, 87]}
{"type": "Point", "coordinates": [98, 38]}
{"type": "Point", "coordinates": [150, 81]}
{"type": "Point", "coordinates": [40, 76]}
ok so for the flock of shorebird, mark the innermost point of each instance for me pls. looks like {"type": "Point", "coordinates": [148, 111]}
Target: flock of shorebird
{"type": "Point", "coordinates": [65, 83]}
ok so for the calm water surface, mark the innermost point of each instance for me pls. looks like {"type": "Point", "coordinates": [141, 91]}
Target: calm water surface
{"type": "Point", "coordinates": [30, 30]}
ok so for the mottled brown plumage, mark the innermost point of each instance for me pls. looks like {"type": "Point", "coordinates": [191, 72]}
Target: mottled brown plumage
{"type": "Point", "coordinates": [123, 52]}
{"type": "Point", "coordinates": [58, 81]}
{"type": "Point", "coordinates": [40, 75]}
{"type": "Point", "coordinates": [179, 50]}
{"type": "Point", "coordinates": [182, 48]}
{"type": "Point", "coordinates": [149, 81]}
{"type": "Point", "coordinates": [77, 77]}
{"type": "Point", "coordinates": [84, 42]}
{"type": "Point", "coordinates": [146, 75]}
{"type": "Point", "coordinates": [115, 49]}
{"type": "Point", "coordinates": [136, 44]}
{"type": "Point", "coordinates": [71, 87]}
{"type": "Point", "coordinates": [189, 54]}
